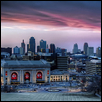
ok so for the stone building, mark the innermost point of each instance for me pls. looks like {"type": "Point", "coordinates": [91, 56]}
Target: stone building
{"type": "Point", "coordinates": [30, 71]}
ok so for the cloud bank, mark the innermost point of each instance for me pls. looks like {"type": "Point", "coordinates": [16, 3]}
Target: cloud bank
{"type": "Point", "coordinates": [77, 14]}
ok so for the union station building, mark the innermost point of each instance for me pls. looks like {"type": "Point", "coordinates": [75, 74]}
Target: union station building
{"type": "Point", "coordinates": [30, 71]}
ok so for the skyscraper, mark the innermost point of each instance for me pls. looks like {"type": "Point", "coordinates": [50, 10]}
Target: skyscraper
{"type": "Point", "coordinates": [90, 51]}
{"type": "Point", "coordinates": [43, 45]}
{"type": "Point", "coordinates": [23, 46]}
{"type": "Point", "coordinates": [75, 49]}
{"type": "Point", "coordinates": [98, 52]}
{"type": "Point", "coordinates": [21, 50]}
{"type": "Point", "coordinates": [38, 48]}
{"type": "Point", "coordinates": [32, 44]}
{"type": "Point", "coordinates": [52, 48]}
{"type": "Point", "coordinates": [85, 48]}
{"type": "Point", "coordinates": [16, 50]}
{"type": "Point", "coordinates": [27, 48]}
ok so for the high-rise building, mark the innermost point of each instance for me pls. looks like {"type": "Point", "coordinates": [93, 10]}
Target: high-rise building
{"type": "Point", "coordinates": [90, 51]}
{"type": "Point", "coordinates": [93, 67]}
{"type": "Point", "coordinates": [23, 46]}
{"type": "Point", "coordinates": [98, 52]}
{"type": "Point", "coordinates": [64, 51]}
{"type": "Point", "coordinates": [62, 63]}
{"type": "Point", "coordinates": [32, 44]}
{"type": "Point", "coordinates": [27, 48]}
{"type": "Point", "coordinates": [21, 50]}
{"type": "Point", "coordinates": [75, 49]}
{"type": "Point", "coordinates": [85, 48]}
{"type": "Point", "coordinates": [43, 46]}
{"type": "Point", "coordinates": [52, 48]}
{"type": "Point", "coordinates": [9, 50]}
{"type": "Point", "coordinates": [38, 48]}
{"type": "Point", "coordinates": [16, 50]}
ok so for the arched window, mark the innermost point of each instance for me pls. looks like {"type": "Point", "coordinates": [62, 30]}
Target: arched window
{"type": "Point", "coordinates": [39, 75]}
{"type": "Point", "coordinates": [14, 76]}
{"type": "Point", "coordinates": [27, 76]}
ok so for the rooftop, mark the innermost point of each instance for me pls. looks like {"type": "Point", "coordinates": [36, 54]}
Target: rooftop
{"type": "Point", "coordinates": [28, 63]}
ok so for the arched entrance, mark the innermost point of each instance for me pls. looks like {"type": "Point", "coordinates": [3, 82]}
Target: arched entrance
{"type": "Point", "coordinates": [27, 77]}
{"type": "Point", "coordinates": [39, 75]}
{"type": "Point", "coordinates": [14, 76]}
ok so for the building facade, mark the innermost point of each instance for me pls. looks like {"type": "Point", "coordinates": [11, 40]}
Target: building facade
{"type": "Point", "coordinates": [75, 49]}
{"type": "Point", "coordinates": [21, 50]}
{"type": "Point", "coordinates": [85, 48]}
{"type": "Point", "coordinates": [90, 51]}
{"type": "Point", "coordinates": [62, 63]}
{"type": "Point", "coordinates": [9, 50]}
{"type": "Point", "coordinates": [25, 72]}
{"type": "Point", "coordinates": [38, 49]}
{"type": "Point", "coordinates": [23, 46]}
{"type": "Point", "coordinates": [59, 76]}
{"type": "Point", "coordinates": [16, 50]}
{"type": "Point", "coordinates": [43, 46]}
{"type": "Point", "coordinates": [93, 67]}
{"type": "Point", "coordinates": [32, 44]}
{"type": "Point", "coordinates": [98, 52]}
{"type": "Point", "coordinates": [52, 48]}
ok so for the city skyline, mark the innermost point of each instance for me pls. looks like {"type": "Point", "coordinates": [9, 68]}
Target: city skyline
{"type": "Point", "coordinates": [62, 23]}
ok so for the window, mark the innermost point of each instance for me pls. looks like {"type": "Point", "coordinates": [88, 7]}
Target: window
{"type": "Point", "coordinates": [6, 73]}
{"type": "Point", "coordinates": [39, 75]}
{"type": "Point", "coordinates": [14, 76]}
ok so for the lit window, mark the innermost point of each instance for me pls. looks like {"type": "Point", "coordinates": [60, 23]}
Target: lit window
{"type": "Point", "coordinates": [6, 73]}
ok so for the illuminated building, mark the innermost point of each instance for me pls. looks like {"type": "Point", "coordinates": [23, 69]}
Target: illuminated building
{"type": "Point", "coordinates": [93, 67]}
{"type": "Point", "coordinates": [14, 71]}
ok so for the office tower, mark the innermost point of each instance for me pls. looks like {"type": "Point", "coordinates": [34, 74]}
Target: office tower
{"type": "Point", "coordinates": [90, 51]}
{"type": "Point", "coordinates": [32, 44]}
{"type": "Point", "coordinates": [9, 50]}
{"type": "Point", "coordinates": [98, 52]}
{"type": "Point", "coordinates": [43, 46]}
{"type": "Point", "coordinates": [75, 49]}
{"type": "Point", "coordinates": [62, 63]}
{"type": "Point", "coordinates": [16, 50]}
{"type": "Point", "coordinates": [93, 67]}
{"type": "Point", "coordinates": [85, 48]}
{"type": "Point", "coordinates": [27, 48]}
{"type": "Point", "coordinates": [21, 50]}
{"type": "Point", "coordinates": [47, 50]}
{"type": "Point", "coordinates": [23, 46]}
{"type": "Point", "coordinates": [52, 48]}
{"type": "Point", "coordinates": [64, 51]}
{"type": "Point", "coordinates": [38, 48]}
{"type": "Point", "coordinates": [47, 45]}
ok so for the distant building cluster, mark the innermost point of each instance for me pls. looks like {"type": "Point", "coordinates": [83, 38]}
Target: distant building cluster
{"type": "Point", "coordinates": [48, 64]}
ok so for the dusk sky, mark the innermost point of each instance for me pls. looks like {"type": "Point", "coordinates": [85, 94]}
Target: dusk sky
{"type": "Point", "coordinates": [63, 23]}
